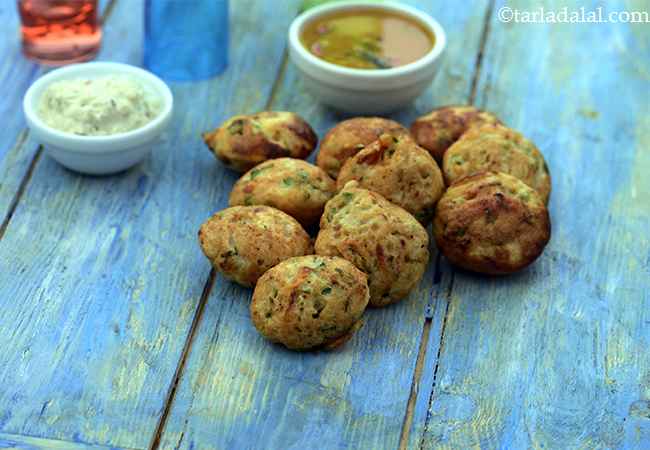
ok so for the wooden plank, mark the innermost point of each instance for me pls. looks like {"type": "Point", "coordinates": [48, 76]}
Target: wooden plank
{"type": "Point", "coordinates": [17, 73]}
{"type": "Point", "coordinates": [18, 442]}
{"type": "Point", "coordinates": [436, 333]}
{"type": "Point", "coordinates": [100, 276]}
{"type": "Point", "coordinates": [557, 356]}
{"type": "Point", "coordinates": [238, 391]}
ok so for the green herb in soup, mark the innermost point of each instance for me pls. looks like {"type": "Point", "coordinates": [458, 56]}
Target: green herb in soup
{"type": "Point", "coordinates": [367, 39]}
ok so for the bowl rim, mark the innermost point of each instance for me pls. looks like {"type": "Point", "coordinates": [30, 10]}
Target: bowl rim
{"type": "Point", "coordinates": [409, 69]}
{"type": "Point", "coordinates": [89, 144]}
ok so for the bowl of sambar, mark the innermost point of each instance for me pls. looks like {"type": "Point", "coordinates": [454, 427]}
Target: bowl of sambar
{"type": "Point", "coordinates": [366, 58]}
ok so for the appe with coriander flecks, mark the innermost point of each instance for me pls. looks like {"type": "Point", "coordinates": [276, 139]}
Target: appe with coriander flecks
{"type": "Point", "coordinates": [380, 238]}
{"type": "Point", "coordinates": [401, 171]}
{"type": "Point", "coordinates": [244, 141]}
{"type": "Point", "coordinates": [243, 242]}
{"type": "Point", "coordinates": [310, 302]}
{"type": "Point", "coordinates": [347, 138]}
{"type": "Point", "coordinates": [491, 223]}
{"type": "Point", "coordinates": [292, 185]}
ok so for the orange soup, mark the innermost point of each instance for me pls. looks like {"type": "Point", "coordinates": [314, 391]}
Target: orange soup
{"type": "Point", "coordinates": [367, 39]}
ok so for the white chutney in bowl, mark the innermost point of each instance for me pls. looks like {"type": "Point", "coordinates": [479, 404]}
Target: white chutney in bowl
{"type": "Point", "coordinates": [100, 117]}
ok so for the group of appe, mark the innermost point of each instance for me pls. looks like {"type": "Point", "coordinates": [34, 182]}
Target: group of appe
{"type": "Point", "coordinates": [374, 188]}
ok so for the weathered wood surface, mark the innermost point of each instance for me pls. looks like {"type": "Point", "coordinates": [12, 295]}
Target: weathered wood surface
{"type": "Point", "coordinates": [101, 276]}
{"type": "Point", "coordinates": [17, 151]}
{"type": "Point", "coordinates": [558, 356]}
{"type": "Point", "coordinates": [101, 280]}
{"type": "Point", "coordinates": [16, 74]}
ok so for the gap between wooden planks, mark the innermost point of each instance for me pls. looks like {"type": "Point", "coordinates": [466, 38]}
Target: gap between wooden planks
{"type": "Point", "coordinates": [422, 352]}
{"type": "Point", "coordinates": [207, 289]}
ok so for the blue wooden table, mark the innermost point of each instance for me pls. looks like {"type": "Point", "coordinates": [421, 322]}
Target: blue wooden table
{"type": "Point", "coordinates": [114, 333]}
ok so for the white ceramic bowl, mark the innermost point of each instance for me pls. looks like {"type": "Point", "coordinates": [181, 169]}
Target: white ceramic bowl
{"type": "Point", "coordinates": [364, 91]}
{"type": "Point", "coordinates": [98, 155]}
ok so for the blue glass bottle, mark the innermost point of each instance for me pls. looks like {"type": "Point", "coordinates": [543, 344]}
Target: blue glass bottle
{"type": "Point", "coordinates": [186, 40]}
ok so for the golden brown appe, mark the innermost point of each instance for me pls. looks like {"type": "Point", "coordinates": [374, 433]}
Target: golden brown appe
{"type": "Point", "coordinates": [491, 223]}
{"type": "Point", "coordinates": [292, 185]}
{"type": "Point", "coordinates": [244, 141]}
{"type": "Point", "coordinates": [350, 136]}
{"type": "Point", "coordinates": [499, 149]}
{"type": "Point", "coordinates": [380, 238]}
{"type": "Point", "coordinates": [442, 127]}
{"type": "Point", "coordinates": [242, 242]}
{"type": "Point", "coordinates": [401, 171]}
{"type": "Point", "coordinates": [310, 301]}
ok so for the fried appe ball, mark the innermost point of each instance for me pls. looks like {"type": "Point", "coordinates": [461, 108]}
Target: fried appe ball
{"type": "Point", "coordinates": [491, 223]}
{"type": "Point", "coordinates": [244, 141]}
{"type": "Point", "coordinates": [310, 301]}
{"type": "Point", "coordinates": [292, 185]}
{"type": "Point", "coordinates": [242, 242]}
{"type": "Point", "coordinates": [397, 168]}
{"type": "Point", "coordinates": [499, 149]}
{"type": "Point", "coordinates": [381, 239]}
{"type": "Point", "coordinates": [348, 137]}
{"type": "Point", "coordinates": [442, 127]}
